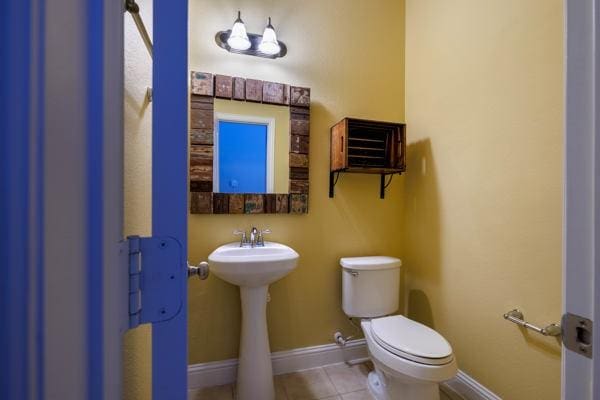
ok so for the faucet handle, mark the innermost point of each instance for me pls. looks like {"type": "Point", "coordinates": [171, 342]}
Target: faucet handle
{"type": "Point", "coordinates": [261, 240]}
{"type": "Point", "coordinates": [243, 240]}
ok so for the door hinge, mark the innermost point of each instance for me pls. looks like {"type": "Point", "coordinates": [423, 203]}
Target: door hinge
{"type": "Point", "coordinates": [578, 334]}
{"type": "Point", "coordinates": [156, 279]}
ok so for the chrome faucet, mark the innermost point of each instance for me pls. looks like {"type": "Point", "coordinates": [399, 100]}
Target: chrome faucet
{"type": "Point", "coordinates": [256, 237]}
{"type": "Point", "coordinates": [253, 236]}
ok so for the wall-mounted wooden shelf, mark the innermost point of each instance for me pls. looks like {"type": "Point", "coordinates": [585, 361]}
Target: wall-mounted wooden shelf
{"type": "Point", "coordinates": [367, 147]}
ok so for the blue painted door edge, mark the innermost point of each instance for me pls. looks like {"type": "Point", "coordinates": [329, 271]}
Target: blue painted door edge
{"type": "Point", "coordinates": [169, 183]}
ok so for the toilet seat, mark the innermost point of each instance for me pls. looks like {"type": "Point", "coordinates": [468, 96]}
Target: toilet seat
{"type": "Point", "coordinates": [411, 340]}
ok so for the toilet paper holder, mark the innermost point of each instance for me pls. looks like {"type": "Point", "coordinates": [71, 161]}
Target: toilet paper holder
{"type": "Point", "coordinates": [516, 316]}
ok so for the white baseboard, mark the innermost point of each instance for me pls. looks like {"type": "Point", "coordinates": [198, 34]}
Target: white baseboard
{"type": "Point", "coordinates": [215, 373]}
{"type": "Point", "coordinates": [224, 372]}
{"type": "Point", "coordinates": [463, 387]}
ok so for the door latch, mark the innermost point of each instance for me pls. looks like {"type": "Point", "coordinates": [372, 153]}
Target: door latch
{"type": "Point", "coordinates": [577, 334]}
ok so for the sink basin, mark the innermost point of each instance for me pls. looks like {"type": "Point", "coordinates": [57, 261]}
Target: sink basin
{"type": "Point", "coordinates": [256, 266]}
{"type": "Point", "coordinates": [253, 269]}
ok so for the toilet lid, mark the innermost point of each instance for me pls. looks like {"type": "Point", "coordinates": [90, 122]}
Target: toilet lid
{"type": "Point", "coordinates": [411, 340]}
{"type": "Point", "coordinates": [370, 263]}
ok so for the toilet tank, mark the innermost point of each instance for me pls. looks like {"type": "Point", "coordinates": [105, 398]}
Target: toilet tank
{"type": "Point", "coordinates": [370, 286]}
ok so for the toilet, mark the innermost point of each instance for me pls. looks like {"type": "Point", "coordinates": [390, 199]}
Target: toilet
{"type": "Point", "coordinates": [410, 359]}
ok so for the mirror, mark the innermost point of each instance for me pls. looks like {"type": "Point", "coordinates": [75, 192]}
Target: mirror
{"type": "Point", "coordinates": [251, 147]}
{"type": "Point", "coordinates": [249, 142]}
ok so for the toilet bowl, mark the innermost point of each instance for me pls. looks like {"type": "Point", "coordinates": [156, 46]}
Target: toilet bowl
{"type": "Point", "coordinates": [410, 359]}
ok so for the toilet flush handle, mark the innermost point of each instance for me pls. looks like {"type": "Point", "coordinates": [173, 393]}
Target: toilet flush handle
{"type": "Point", "coordinates": [353, 273]}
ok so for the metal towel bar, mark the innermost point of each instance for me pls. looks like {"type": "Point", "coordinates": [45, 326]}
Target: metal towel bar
{"type": "Point", "coordinates": [516, 317]}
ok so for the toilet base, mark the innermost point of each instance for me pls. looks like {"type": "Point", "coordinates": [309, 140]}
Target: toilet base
{"type": "Point", "coordinates": [375, 386]}
{"type": "Point", "coordinates": [384, 387]}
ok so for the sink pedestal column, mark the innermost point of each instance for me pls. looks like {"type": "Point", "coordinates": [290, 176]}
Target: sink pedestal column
{"type": "Point", "coordinates": [255, 372]}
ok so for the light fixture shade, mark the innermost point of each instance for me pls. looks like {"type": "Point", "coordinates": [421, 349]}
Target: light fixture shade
{"type": "Point", "coordinates": [269, 43]}
{"type": "Point", "coordinates": [238, 38]}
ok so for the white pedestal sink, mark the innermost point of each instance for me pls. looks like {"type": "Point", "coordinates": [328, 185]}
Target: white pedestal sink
{"type": "Point", "coordinates": [253, 269]}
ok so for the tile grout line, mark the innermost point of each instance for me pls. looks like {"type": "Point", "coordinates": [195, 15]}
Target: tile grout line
{"type": "Point", "coordinates": [340, 394]}
{"type": "Point", "coordinates": [331, 381]}
{"type": "Point", "coordinates": [284, 386]}
{"type": "Point", "coordinates": [337, 394]}
{"type": "Point", "coordinates": [285, 392]}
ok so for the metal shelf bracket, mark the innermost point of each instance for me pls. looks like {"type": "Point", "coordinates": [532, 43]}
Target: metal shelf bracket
{"type": "Point", "coordinates": [334, 176]}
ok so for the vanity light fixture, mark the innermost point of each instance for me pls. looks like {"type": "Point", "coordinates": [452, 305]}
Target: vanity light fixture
{"type": "Point", "coordinates": [237, 40]}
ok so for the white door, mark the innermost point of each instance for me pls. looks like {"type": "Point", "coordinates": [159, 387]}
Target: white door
{"type": "Point", "coordinates": [581, 280]}
{"type": "Point", "coordinates": [62, 283]}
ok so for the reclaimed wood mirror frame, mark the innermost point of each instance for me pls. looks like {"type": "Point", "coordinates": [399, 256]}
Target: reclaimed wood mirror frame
{"type": "Point", "coordinates": [205, 87]}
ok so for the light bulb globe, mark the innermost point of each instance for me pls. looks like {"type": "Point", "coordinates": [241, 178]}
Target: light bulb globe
{"type": "Point", "coordinates": [269, 44]}
{"type": "Point", "coordinates": [238, 38]}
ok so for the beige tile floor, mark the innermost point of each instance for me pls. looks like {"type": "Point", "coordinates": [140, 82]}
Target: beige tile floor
{"type": "Point", "coordinates": [332, 382]}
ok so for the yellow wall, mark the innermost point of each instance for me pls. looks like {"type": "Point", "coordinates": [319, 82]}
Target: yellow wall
{"type": "Point", "coordinates": [483, 192]}
{"type": "Point", "coordinates": [281, 145]}
{"type": "Point", "coordinates": [476, 219]}
{"type": "Point", "coordinates": [351, 56]}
